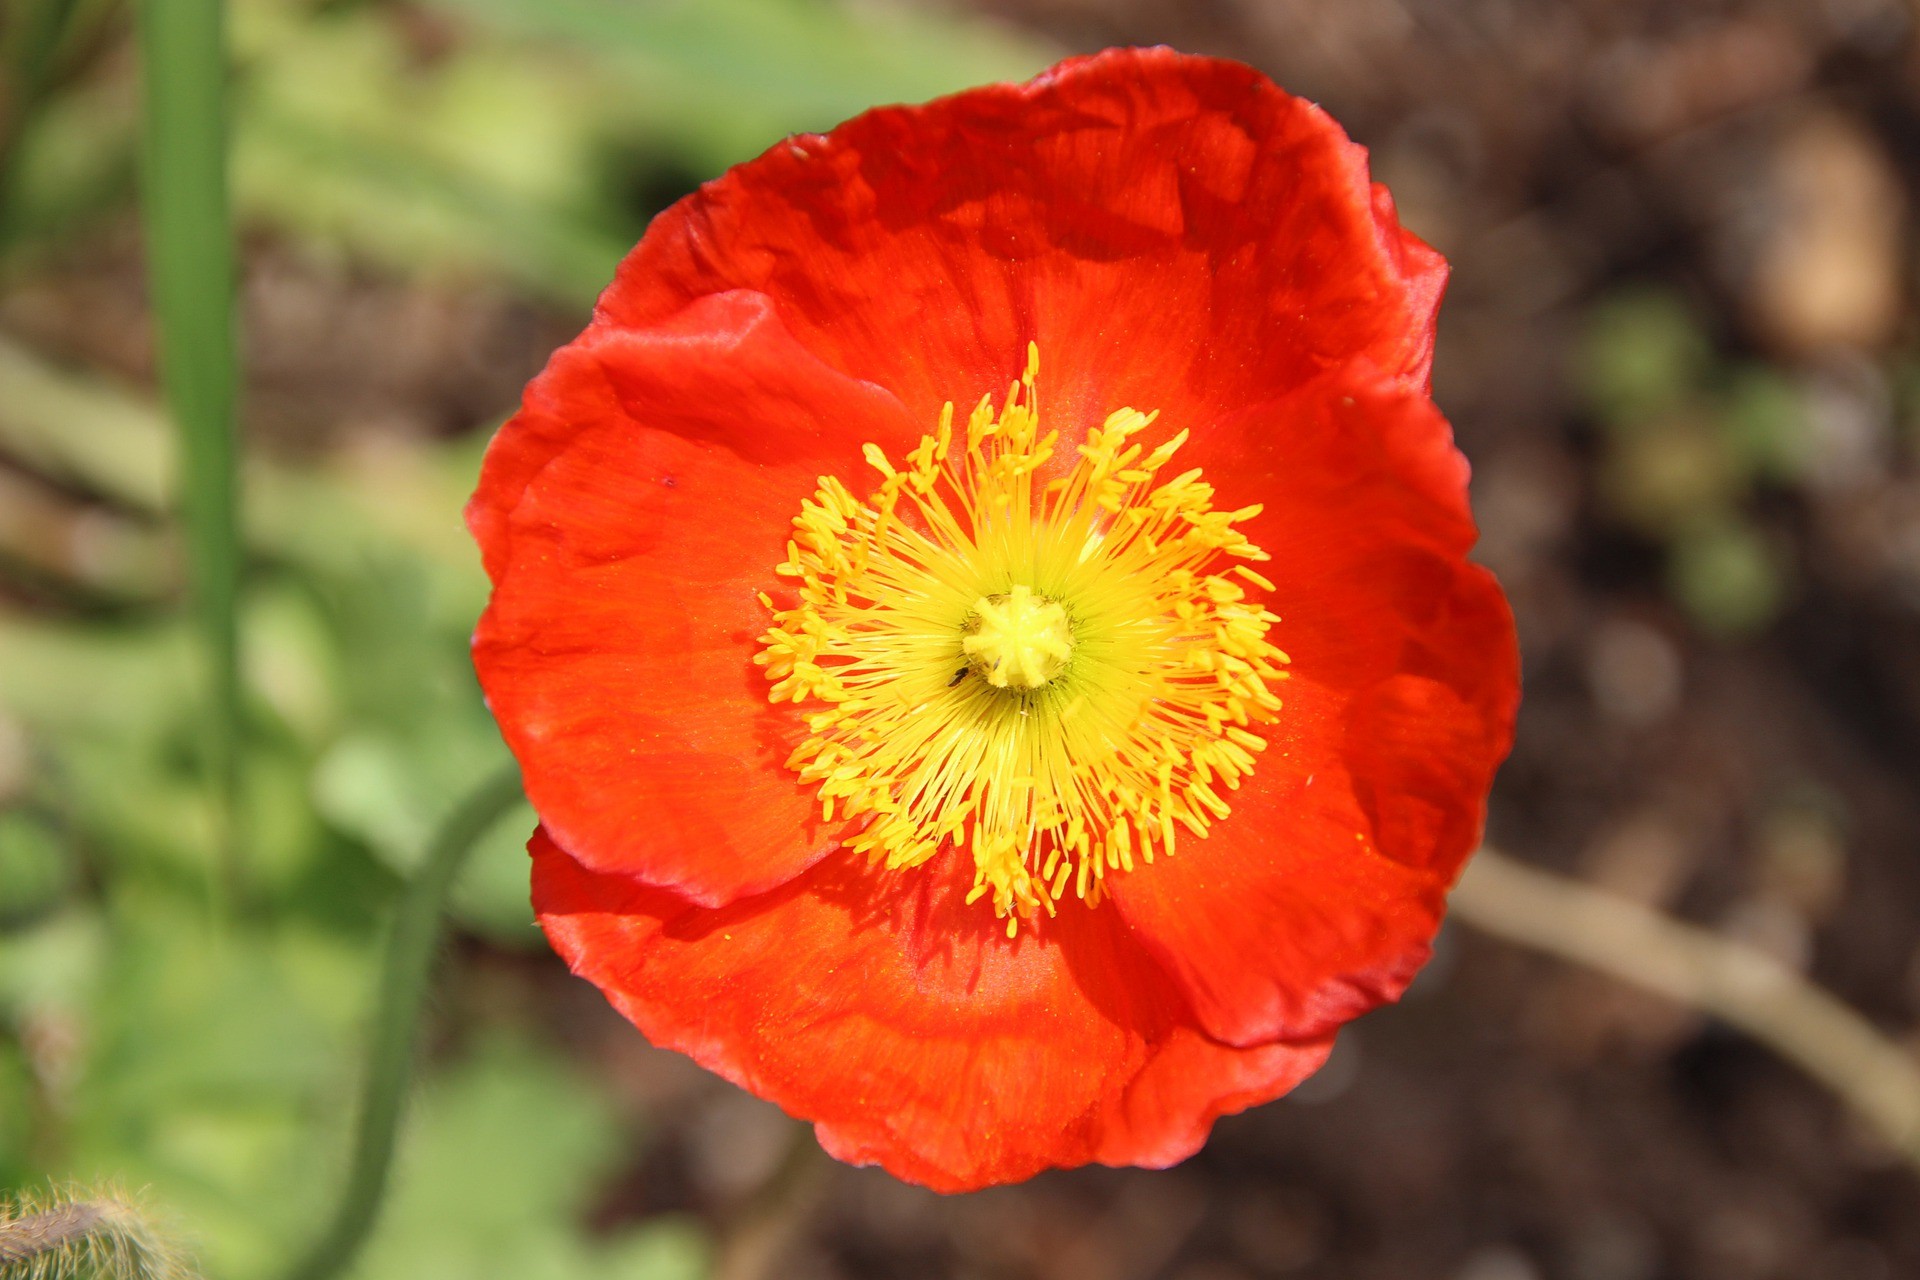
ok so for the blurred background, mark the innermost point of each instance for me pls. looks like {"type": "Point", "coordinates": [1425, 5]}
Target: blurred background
{"type": "Point", "coordinates": [1681, 349]}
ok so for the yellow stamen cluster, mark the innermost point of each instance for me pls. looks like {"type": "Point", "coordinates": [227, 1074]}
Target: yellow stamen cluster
{"type": "Point", "coordinates": [1055, 675]}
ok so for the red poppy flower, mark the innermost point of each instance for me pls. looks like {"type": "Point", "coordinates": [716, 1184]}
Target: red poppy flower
{"type": "Point", "coordinates": [1033, 783]}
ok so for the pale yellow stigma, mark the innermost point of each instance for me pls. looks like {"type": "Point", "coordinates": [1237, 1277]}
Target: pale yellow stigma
{"type": "Point", "coordinates": [1054, 677]}
{"type": "Point", "coordinates": [1018, 640]}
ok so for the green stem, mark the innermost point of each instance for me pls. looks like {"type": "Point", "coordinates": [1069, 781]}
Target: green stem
{"type": "Point", "coordinates": [396, 1032]}
{"type": "Point", "coordinates": [190, 264]}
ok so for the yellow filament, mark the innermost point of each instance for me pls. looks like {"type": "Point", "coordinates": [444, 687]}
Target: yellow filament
{"type": "Point", "coordinates": [1056, 676]}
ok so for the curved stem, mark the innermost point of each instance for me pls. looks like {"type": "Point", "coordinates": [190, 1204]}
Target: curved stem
{"type": "Point", "coordinates": [1745, 987]}
{"type": "Point", "coordinates": [396, 1032]}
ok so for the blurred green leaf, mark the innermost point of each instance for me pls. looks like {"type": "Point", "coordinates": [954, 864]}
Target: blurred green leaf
{"type": "Point", "coordinates": [393, 792]}
{"type": "Point", "coordinates": [293, 660]}
{"type": "Point", "coordinates": [482, 158]}
{"type": "Point", "coordinates": [518, 148]}
{"type": "Point", "coordinates": [1766, 421]}
{"type": "Point", "coordinates": [420, 742]}
{"type": "Point", "coordinates": [36, 869]}
{"type": "Point", "coordinates": [126, 680]}
{"type": "Point", "coordinates": [494, 1174]}
{"type": "Point", "coordinates": [1644, 355]}
{"type": "Point", "coordinates": [1668, 472]}
{"type": "Point", "coordinates": [201, 1020]}
{"type": "Point", "coordinates": [114, 714]}
{"type": "Point", "coordinates": [1905, 377]}
{"type": "Point", "coordinates": [662, 1249]}
{"type": "Point", "coordinates": [734, 76]}
{"type": "Point", "coordinates": [33, 33]}
{"type": "Point", "coordinates": [362, 786]}
{"type": "Point", "coordinates": [77, 162]}
{"type": "Point", "coordinates": [394, 205]}
{"type": "Point", "coordinates": [209, 1057]}
{"type": "Point", "coordinates": [54, 967]}
{"type": "Point", "coordinates": [493, 896]}
{"type": "Point", "coordinates": [17, 1105]}
{"type": "Point", "coordinates": [123, 451]}
{"type": "Point", "coordinates": [506, 1141]}
{"type": "Point", "coordinates": [1725, 575]}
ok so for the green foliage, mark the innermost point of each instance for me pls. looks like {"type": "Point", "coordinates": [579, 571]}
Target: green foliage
{"type": "Point", "coordinates": [406, 973]}
{"type": "Point", "coordinates": [219, 1068]}
{"type": "Point", "coordinates": [1659, 475]}
{"type": "Point", "coordinates": [16, 1115]}
{"type": "Point", "coordinates": [522, 143]}
{"type": "Point", "coordinates": [727, 77]}
{"type": "Point", "coordinates": [1644, 355]}
{"type": "Point", "coordinates": [391, 789]}
{"type": "Point", "coordinates": [476, 162]}
{"type": "Point", "coordinates": [31, 41]}
{"type": "Point", "coordinates": [417, 735]}
{"type": "Point", "coordinates": [1906, 396]}
{"type": "Point", "coordinates": [534, 146]}
{"type": "Point", "coordinates": [34, 871]}
{"type": "Point", "coordinates": [206, 1061]}
{"type": "Point", "coordinates": [1688, 440]}
{"type": "Point", "coordinates": [33, 35]}
{"type": "Point", "coordinates": [64, 154]}
{"type": "Point", "coordinates": [538, 145]}
{"type": "Point", "coordinates": [1765, 425]}
{"type": "Point", "coordinates": [506, 1148]}
{"type": "Point", "coordinates": [1726, 576]}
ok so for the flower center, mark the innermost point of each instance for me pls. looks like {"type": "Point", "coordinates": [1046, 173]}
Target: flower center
{"type": "Point", "coordinates": [1018, 640]}
{"type": "Point", "coordinates": [1056, 676]}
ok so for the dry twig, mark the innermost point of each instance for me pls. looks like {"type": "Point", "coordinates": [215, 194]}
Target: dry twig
{"type": "Point", "coordinates": [1746, 988]}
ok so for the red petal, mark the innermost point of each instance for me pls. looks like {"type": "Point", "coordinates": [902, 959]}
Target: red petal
{"type": "Point", "coordinates": [1318, 897]}
{"type": "Point", "coordinates": [1176, 232]}
{"type": "Point", "coordinates": [1365, 516]}
{"type": "Point", "coordinates": [629, 515]}
{"type": "Point", "coordinates": [1294, 915]}
{"type": "Point", "coordinates": [905, 1024]}
{"type": "Point", "coordinates": [1167, 1112]}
